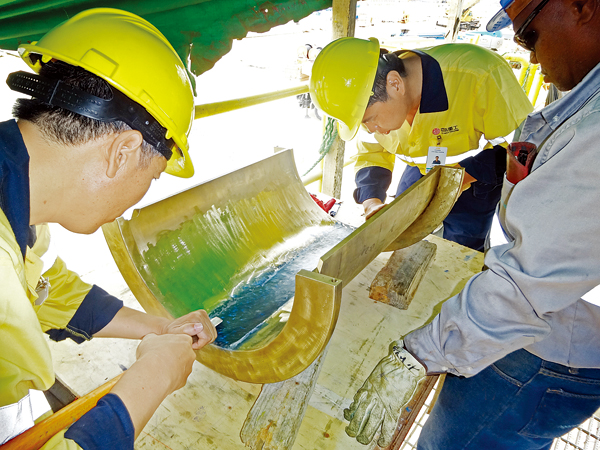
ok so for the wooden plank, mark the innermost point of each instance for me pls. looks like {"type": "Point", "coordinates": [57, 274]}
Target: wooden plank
{"type": "Point", "coordinates": [275, 418]}
{"type": "Point", "coordinates": [333, 167]}
{"type": "Point", "coordinates": [399, 279]}
{"type": "Point", "coordinates": [343, 18]}
{"type": "Point", "coordinates": [210, 410]}
{"type": "Point", "coordinates": [410, 412]}
{"type": "Point", "coordinates": [349, 257]}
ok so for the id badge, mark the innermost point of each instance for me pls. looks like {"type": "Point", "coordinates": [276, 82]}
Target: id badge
{"type": "Point", "coordinates": [436, 156]}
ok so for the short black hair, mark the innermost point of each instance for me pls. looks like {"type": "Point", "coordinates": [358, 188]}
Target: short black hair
{"type": "Point", "coordinates": [387, 63]}
{"type": "Point", "coordinates": [67, 127]}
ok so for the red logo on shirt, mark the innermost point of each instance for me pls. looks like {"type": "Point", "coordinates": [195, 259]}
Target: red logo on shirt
{"type": "Point", "coordinates": [436, 131]}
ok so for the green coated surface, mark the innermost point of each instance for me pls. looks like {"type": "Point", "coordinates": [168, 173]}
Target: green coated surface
{"type": "Point", "coordinates": [199, 264]}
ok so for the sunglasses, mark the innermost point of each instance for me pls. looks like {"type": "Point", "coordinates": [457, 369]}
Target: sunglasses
{"type": "Point", "coordinates": [527, 39]}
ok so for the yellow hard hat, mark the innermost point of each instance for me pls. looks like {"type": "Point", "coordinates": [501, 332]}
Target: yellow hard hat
{"type": "Point", "coordinates": [342, 81]}
{"type": "Point", "coordinates": [137, 60]}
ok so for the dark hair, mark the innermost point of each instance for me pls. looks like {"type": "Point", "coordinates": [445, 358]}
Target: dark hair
{"type": "Point", "coordinates": [387, 62]}
{"type": "Point", "coordinates": [69, 128]}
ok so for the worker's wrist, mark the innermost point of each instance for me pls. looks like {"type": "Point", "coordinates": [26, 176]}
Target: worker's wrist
{"type": "Point", "coordinates": [143, 375]}
{"type": "Point", "coordinates": [414, 355]}
{"type": "Point", "coordinates": [163, 326]}
{"type": "Point", "coordinates": [154, 363]}
{"type": "Point", "coordinates": [370, 202]}
{"type": "Point", "coordinates": [406, 358]}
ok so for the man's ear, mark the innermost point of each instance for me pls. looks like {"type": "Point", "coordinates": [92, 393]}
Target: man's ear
{"type": "Point", "coordinates": [585, 9]}
{"type": "Point", "coordinates": [395, 82]}
{"type": "Point", "coordinates": [124, 147]}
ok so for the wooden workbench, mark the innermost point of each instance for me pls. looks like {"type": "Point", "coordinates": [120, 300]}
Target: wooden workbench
{"type": "Point", "coordinates": [208, 413]}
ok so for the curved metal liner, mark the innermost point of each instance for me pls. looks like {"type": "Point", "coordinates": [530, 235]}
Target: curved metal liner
{"type": "Point", "coordinates": [444, 198]}
{"type": "Point", "coordinates": [266, 186]}
{"type": "Point", "coordinates": [405, 221]}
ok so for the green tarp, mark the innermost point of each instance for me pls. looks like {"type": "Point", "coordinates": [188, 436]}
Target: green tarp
{"type": "Point", "coordinates": [201, 31]}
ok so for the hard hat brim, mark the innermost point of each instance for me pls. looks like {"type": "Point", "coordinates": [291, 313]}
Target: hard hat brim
{"type": "Point", "coordinates": [499, 21]}
{"type": "Point", "coordinates": [347, 134]}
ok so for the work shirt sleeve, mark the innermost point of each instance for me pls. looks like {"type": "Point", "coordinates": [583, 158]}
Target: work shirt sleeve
{"type": "Point", "coordinates": [74, 309]}
{"type": "Point", "coordinates": [554, 222]}
{"type": "Point", "coordinates": [500, 106]}
{"type": "Point", "coordinates": [106, 426]}
{"type": "Point", "coordinates": [373, 168]}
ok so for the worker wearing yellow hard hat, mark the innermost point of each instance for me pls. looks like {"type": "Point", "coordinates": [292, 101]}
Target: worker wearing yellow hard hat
{"type": "Point", "coordinates": [417, 105]}
{"type": "Point", "coordinates": [111, 107]}
{"type": "Point", "coordinates": [138, 61]}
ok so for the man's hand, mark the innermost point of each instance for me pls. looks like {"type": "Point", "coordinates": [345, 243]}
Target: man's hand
{"type": "Point", "coordinates": [371, 206]}
{"type": "Point", "coordinates": [172, 354]}
{"type": "Point", "coordinates": [163, 365]}
{"type": "Point", "coordinates": [379, 402]}
{"type": "Point", "coordinates": [197, 324]}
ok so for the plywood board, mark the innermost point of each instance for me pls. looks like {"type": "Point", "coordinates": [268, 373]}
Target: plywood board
{"type": "Point", "coordinates": [209, 412]}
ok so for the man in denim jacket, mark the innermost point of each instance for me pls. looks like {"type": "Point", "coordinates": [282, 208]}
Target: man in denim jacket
{"type": "Point", "coordinates": [521, 340]}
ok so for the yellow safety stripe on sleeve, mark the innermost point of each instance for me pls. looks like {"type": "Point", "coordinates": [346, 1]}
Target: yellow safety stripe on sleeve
{"type": "Point", "coordinates": [67, 291]}
{"type": "Point", "coordinates": [25, 359]}
{"type": "Point", "coordinates": [485, 99]}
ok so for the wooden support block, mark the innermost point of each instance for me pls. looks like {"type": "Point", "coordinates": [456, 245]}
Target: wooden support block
{"type": "Point", "coordinates": [276, 416]}
{"type": "Point", "coordinates": [397, 282]}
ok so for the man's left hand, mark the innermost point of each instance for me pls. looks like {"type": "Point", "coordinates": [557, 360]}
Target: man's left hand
{"type": "Point", "coordinates": [196, 324]}
{"type": "Point", "coordinates": [379, 402]}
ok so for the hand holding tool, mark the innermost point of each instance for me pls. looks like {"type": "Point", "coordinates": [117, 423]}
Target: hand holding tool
{"type": "Point", "coordinates": [215, 321]}
{"type": "Point", "coordinates": [39, 434]}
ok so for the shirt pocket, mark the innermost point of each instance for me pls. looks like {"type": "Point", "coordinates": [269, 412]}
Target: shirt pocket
{"type": "Point", "coordinates": [555, 143]}
{"type": "Point", "coordinates": [560, 411]}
